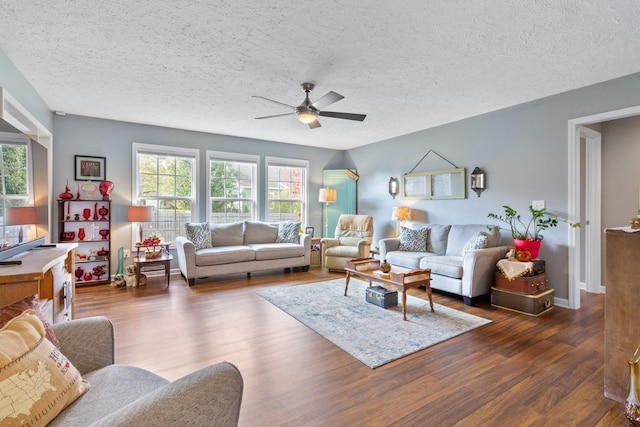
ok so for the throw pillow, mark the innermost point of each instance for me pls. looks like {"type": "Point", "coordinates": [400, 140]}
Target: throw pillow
{"type": "Point", "coordinates": [33, 302]}
{"type": "Point", "coordinates": [199, 234]}
{"type": "Point", "coordinates": [38, 381]}
{"type": "Point", "coordinates": [413, 240]}
{"type": "Point", "coordinates": [478, 241]}
{"type": "Point", "coordinates": [288, 232]}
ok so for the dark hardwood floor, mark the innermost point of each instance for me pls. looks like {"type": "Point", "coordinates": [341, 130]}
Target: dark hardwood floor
{"type": "Point", "coordinates": [517, 371]}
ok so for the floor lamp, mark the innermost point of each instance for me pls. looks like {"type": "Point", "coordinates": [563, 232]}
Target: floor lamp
{"type": "Point", "coordinates": [20, 215]}
{"type": "Point", "coordinates": [327, 195]}
{"type": "Point", "coordinates": [140, 214]}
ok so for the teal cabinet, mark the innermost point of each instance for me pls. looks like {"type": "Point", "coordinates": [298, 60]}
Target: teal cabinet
{"type": "Point", "coordinates": [344, 181]}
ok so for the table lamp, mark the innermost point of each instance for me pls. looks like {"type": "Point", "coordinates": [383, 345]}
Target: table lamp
{"type": "Point", "coordinates": [20, 215]}
{"type": "Point", "coordinates": [140, 214]}
{"type": "Point", "coordinates": [327, 195]}
{"type": "Point", "coordinates": [399, 214]}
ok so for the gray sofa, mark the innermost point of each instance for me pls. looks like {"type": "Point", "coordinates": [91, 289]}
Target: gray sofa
{"type": "Point", "coordinates": [241, 247]}
{"type": "Point", "coordinates": [469, 273]}
{"type": "Point", "coordinates": [128, 396]}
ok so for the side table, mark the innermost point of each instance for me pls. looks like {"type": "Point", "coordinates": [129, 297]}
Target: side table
{"type": "Point", "coordinates": [141, 261]}
{"type": "Point", "coordinates": [316, 255]}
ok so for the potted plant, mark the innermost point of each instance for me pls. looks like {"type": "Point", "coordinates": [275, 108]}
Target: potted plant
{"type": "Point", "coordinates": [526, 233]}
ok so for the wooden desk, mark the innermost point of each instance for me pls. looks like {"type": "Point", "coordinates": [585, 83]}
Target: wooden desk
{"type": "Point", "coordinates": [47, 272]}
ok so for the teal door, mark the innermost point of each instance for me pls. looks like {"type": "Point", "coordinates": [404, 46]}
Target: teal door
{"type": "Point", "coordinates": [344, 181]}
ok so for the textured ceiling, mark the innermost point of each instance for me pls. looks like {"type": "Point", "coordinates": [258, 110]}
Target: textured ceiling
{"type": "Point", "coordinates": [411, 65]}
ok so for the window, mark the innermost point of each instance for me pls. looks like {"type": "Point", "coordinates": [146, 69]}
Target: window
{"type": "Point", "coordinates": [286, 189]}
{"type": "Point", "coordinates": [232, 187]}
{"type": "Point", "coordinates": [165, 178]}
{"type": "Point", "coordinates": [14, 180]}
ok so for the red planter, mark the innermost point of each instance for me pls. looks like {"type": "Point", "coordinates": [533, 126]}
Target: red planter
{"type": "Point", "coordinates": [533, 246]}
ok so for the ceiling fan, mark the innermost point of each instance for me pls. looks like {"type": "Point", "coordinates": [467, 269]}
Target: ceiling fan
{"type": "Point", "coordinates": [308, 111]}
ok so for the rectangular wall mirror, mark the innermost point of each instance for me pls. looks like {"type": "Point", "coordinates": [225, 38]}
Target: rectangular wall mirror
{"type": "Point", "coordinates": [440, 184]}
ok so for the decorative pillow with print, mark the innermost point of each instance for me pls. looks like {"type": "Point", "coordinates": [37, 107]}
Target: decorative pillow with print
{"type": "Point", "coordinates": [38, 381]}
{"type": "Point", "coordinates": [288, 232]}
{"type": "Point", "coordinates": [199, 234]}
{"type": "Point", "coordinates": [478, 241]}
{"type": "Point", "coordinates": [413, 240]}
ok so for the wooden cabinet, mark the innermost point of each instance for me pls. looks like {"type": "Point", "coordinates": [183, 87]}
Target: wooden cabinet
{"type": "Point", "coordinates": [87, 223]}
{"type": "Point", "coordinates": [622, 309]}
{"type": "Point", "coordinates": [47, 272]}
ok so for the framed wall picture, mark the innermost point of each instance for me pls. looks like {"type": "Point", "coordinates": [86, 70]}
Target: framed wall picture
{"type": "Point", "coordinates": [309, 231]}
{"type": "Point", "coordinates": [91, 168]}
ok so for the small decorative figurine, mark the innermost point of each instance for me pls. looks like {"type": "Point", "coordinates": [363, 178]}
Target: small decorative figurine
{"type": "Point", "coordinates": [67, 195]}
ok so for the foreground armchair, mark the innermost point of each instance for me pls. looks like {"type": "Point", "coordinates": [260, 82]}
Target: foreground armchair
{"type": "Point", "coordinates": [129, 396]}
{"type": "Point", "coordinates": [352, 239]}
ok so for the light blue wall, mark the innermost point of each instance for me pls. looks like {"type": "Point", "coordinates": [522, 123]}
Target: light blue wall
{"type": "Point", "coordinates": [522, 149]}
{"type": "Point", "coordinates": [113, 140]}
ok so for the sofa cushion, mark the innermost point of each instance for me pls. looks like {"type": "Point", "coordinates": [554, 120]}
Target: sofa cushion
{"type": "Point", "coordinates": [437, 239]}
{"type": "Point", "coordinates": [450, 266]}
{"type": "Point", "coordinates": [460, 234]}
{"type": "Point", "coordinates": [266, 251]}
{"type": "Point", "coordinates": [404, 259]}
{"type": "Point", "coordinates": [37, 379]}
{"type": "Point", "coordinates": [199, 234]}
{"type": "Point", "coordinates": [112, 388]}
{"type": "Point", "coordinates": [227, 234]}
{"type": "Point", "coordinates": [350, 241]}
{"type": "Point", "coordinates": [224, 255]}
{"type": "Point", "coordinates": [413, 240]}
{"type": "Point", "coordinates": [259, 232]}
{"type": "Point", "coordinates": [288, 232]}
{"type": "Point", "coordinates": [14, 310]}
{"type": "Point", "coordinates": [342, 251]}
{"type": "Point", "coordinates": [477, 241]}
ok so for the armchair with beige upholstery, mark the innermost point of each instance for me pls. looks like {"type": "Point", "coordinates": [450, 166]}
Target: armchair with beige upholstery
{"type": "Point", "coordinates": [352, 239]}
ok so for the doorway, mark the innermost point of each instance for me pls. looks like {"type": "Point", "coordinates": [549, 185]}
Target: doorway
{"type": "Point", "coordinates": [590, 210]}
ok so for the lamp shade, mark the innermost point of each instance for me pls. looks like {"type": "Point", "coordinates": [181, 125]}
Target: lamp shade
{"type": "Point", "coordinates": [401, 213]}
{"type": "Point", "coordinates": [140, 214]}
{"type": "Point", "coordinates": [327, 195]}
{"type": "Point", "coordinates": [20, 215]}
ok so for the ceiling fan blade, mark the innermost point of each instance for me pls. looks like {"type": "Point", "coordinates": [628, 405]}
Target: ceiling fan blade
{"type": "Point", "coordinates": [348, 116]}
{"type": "Point", "coordinates": [328, 99]}
{"type": "Point", "coordinates": [275, 102]}
{"type": "Point", "coordinates": [275, 115]}
{"type": "Point", "coordinates": [314, 124]}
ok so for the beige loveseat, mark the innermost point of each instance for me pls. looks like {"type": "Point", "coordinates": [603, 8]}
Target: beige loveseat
{"type": "Point", "coordinates": [450, 252]}
{"type": "Point", "coordinates": [242, 247]}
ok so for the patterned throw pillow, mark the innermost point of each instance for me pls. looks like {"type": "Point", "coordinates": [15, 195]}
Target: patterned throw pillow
{"type": "Point", "coordinates": [199, 234]}
{"type": "Point", "coordinates": [413, 240]}
{"type": "Point", "coordinates": [288, 232]}
{"type": "Point", "coordinates": [14, 310]}
{"type": "Point", "coordinates": [479, 241]}
{"type": "Point", "coordinates": [38, 381]}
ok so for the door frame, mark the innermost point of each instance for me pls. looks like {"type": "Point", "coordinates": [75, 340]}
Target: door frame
{"type": "Point", "coordinates": [574, 199]}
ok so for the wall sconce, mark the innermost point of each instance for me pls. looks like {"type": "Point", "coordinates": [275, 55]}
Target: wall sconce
{"type": "Point", "coordinates": [477, 181]}
{"type": "Point", "coordinates": [394, 187]}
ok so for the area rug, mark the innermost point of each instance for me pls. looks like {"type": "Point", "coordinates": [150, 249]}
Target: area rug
{"type": "Point", "coordinates": [371, 334]}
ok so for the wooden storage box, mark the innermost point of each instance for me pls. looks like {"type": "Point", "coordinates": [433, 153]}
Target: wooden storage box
{"type": "Point", "coordinates": [381, 296]}
{"type": "Point", "coordinates": [533, 304]}
{"type": "Point", "coordinates": [525, 285]}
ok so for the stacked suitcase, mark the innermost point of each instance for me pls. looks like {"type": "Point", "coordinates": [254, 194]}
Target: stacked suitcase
{"type": "Point", "coordinates": [528, 294]}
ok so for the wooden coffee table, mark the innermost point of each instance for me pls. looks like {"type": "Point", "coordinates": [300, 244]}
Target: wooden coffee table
{"type": "Point", "coordinates": [369, 269]}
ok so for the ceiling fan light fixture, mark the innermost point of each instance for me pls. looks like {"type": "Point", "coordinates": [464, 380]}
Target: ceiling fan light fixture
{"type": "Point", "coordinates": [307, 116]}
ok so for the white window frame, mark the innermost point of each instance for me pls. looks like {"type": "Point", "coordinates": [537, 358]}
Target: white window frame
{"type": "Point", "coordinates": [234, 157]}
{"type": "Point", "coordinates": [8, 138]}
{"type": "Point", "coordinates": [294, 163]}
{"type": "Point", "coordinates": [168, 151]}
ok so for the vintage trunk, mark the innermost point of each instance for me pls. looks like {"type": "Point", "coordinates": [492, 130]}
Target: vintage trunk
{"type": "Point", "coordinates": [525, 285]}
{"type": "Point", "coordinates": [382, 297]}
{"type": "Point", "coordinates": [539, 267]}
{"type": "Point", "coordinates": [533, 304]}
